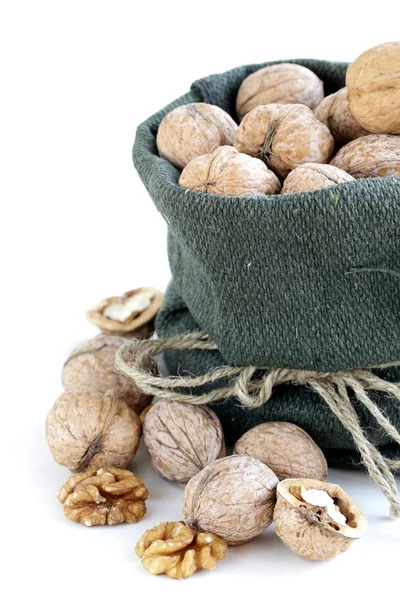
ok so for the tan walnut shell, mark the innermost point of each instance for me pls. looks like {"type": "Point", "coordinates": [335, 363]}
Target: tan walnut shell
{"type": "Point", "coordinates": [89, 430]}
{"type": "Point", "coordinates": [284, 137]}
{"type": "Point", "coordinates": [286, 449]}
{"type": "Point", "coordinates": [308, 530]}
{"type": "Point", "coordinates": [103, 497]}
{"type": "Point", "coordinates": [285, 83]}
{"type": "Point", "coordinates": [178, 551]}
{"type": "Point", "coordinates": [374, 155]}
{"type": "Point", "coordinates": [91, 365]}
{"type": "Point", "coordinates": [334, 112]}
{"type": "Point", "coordinates": [230, 173]}
{"type": "Point", "coordinates": [313, 176]}
{"type": "Point", "coordinates": [192, 130]}
{"type": "Point", "coordinates": [233, 497]}
{"type": "Point", "coordinates": [137, 322]}
{"type": "Point", "coordinates": [373, 84]}
{"type": "Point", "coordinates": [182, 439]}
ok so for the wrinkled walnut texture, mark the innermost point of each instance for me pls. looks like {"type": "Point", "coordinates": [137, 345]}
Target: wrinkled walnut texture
{"type": "Point", "coordinates": [284, 137]}
{"type": "Point", "coordinates": [230, 173]}
{"type": "Point", "coordinates": [178, 551]}
{"type": "Point", "coordinates": [313, 176]}
{"type": "Point", "coordinates": [285, 83]}
{"type": "Point", "coordinates": [374, 155]}
{"type": "Point", "coordinates": [87, 430]}
{"type": "Point", "coordinates": [91, 365]}
{"type": "Point", "coordinates": [107, 496]}
{"type": "Point", "coordinates": [193, 130]}
{"type": "Point", "coordinates": [285, 448]}
{"type": "Point", "coordinates": [182, 439]}
{"type": "Point", "coordinates": [233, 497]}
{"type": "Point", "coordinates": [334, 112]}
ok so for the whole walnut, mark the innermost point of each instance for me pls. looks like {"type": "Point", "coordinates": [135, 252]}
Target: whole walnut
{"type": "Point", "coordinates": [233, 497]}
{"type": "Point", "coordinates": [284, 137]}
{"type": "Point", "coordinates": [285, 448]}
{"type": "Point", "coordinates": [374, 155]}
{"type": "Point", "coordinates": [89, 430]}
{"type": "Point", "coordinates": [91, 365]}
{"type": "Point", "coordinates": [230, 173]}
{"type": "Point", "coordinates": [334, 112]}
{"type": "Point", "coordinates": [182, 439]}
{"type": "Point", "coordinates": [373, 84]}
{"type": "Point", "coordinates": [192, 130]}
{"type": "Point", "coordinates": [313, 176]}
{"type": "Point", "coordinates": [279, 84]}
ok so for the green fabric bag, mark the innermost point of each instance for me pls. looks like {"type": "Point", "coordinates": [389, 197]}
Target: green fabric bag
{"type": "Point", "coordinates": [305, 281]}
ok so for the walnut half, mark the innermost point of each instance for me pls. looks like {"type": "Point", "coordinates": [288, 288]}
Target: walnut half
{"type": "Point", "coordinates": [178, 551]}
{"type": "Point", "coordinates": [109, 496]}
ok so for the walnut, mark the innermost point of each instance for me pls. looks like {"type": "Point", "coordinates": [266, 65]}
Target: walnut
{"type": "Point", "coordinates": [91, 365]}
{"type": "Point", "coordinates": [233, 497]}
{"type": "Point", "coordinates": [89, 430]}
{"type": "Point", "coordinates": [144, 412]}
{"type": "Point", "coordinates": [182, 439]}
{"type": "Point", "coordinates": [229, 173]}
{"type": "Point", "coordinates": [285, 83]}
{"type": "Point", "coordinates": [130, 314]}
{"type": "Point", "coordinates": [284, 137]}
{"type": "Point", "coordinates": [313, 176]}
{"type": "Point", "coordinates": [334, 112]}
{"type": "Point", "coordinates": [285, 448]}
{"type": "Point", "coordinates": [193, 130]}
{"type": "Point", "coordinates": [373, 84]}
{"type": "Point", "coordinates": [109, 496]}
{"type": "Point", "coordinates": [370, 156]}
{"type": "Point", "coordinates": [178, 551]}
{"type": "Point", "coordinates": [316, 520]}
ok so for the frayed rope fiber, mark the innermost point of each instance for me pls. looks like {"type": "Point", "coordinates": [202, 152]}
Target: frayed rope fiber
{"type": "Point", "coordinates": [253, 386]}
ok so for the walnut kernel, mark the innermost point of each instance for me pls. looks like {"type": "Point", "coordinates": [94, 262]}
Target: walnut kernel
{"type": "Point", "coordinates": [334, 112]}
{"type": "Point", "coordinates": [374, 155]}
{"type": "Point", "coordinates": [178, 551]}
{"type": "Point", "coordinates": [313, 176]}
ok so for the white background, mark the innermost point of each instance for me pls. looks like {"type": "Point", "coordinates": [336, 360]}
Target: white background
{"type": "Point", "coordinates": [77, 225]}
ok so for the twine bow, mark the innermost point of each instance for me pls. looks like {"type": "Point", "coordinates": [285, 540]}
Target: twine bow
{"type": "Point", "coordinates": [253, 386]}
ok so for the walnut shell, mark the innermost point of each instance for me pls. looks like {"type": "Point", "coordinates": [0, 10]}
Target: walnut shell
{"type": "Point", "coordinates": [334, 112]}
{"type": "Point", "coordinates": [229, 173]}
{"type": "Point", "coordinates": [284, 137]}
{"type": "Point", "coordinates": [285, 83]}
{"type": "Point", "coordinates": [182, 439]}
{"type": "Point", "coordinates": [89, 430]}
{"type": "Point", "coordinates": [313, 176]}
{"type": "Point", "coordinates": [193, 130]}
{"type": "Point", "coordinates": [233, 497]}
{"type": "Point", "coordinates": [373, 155]}
{"type": "Point", "coordinates": [285, 448]}
{"type": "Point", "coordinates": [91, 365]}
{"type": "Point", "coordinates": [307, 529]}
{"type": "Point", "coordinates": [373, 84]}
{"type": "Point", "coordinates": [132, 314]}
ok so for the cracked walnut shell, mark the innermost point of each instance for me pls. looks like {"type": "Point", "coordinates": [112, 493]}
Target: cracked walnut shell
{"type": "Point", "coordinates": [315, 519]}
{"type": "Point", "coordinates": [313, 176]}
{"type": "Point", "coordinates": [233, 497]}
{"type": "Point", "coordinates": [89, 430]}
{"type": "Point", "coordinates": [285, 448]}
{"type": "Point", "coordinates": [230, 173]}
{"type": "Point", "coordinates": [91, 365]}
{"type": "Point", "coordinates": [334, 112]}
{"type": "Point", "coordinates": [374, 155]}
{"type": "Point", "coordinates": [192, 130]}
{"type": "Point", "coordinates": [284, 137]}
{"type": "Point", "coordinates": [107, 496]}
{"type": "Point", "coordinates": [131, 314]}
{"type": "Point", "coordinates": [373, 84]}
{"type": "Point", "coordinates": [178, 551]}
{"type": "Point", "coordinates": [182, 439]}
{"type": "Point", "coordinates": [285, 83]}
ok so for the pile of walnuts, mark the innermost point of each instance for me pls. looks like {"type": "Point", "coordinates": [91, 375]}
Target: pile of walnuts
{"type": "Point", "coordinates": [290, 138]}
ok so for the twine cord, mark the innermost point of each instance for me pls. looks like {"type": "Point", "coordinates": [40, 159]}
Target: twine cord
{"type": "Point", "coordinates": [253, 386]}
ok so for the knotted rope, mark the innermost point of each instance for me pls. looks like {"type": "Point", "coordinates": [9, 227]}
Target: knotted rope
{"type": "Point", "coordinates": [253, 386]}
